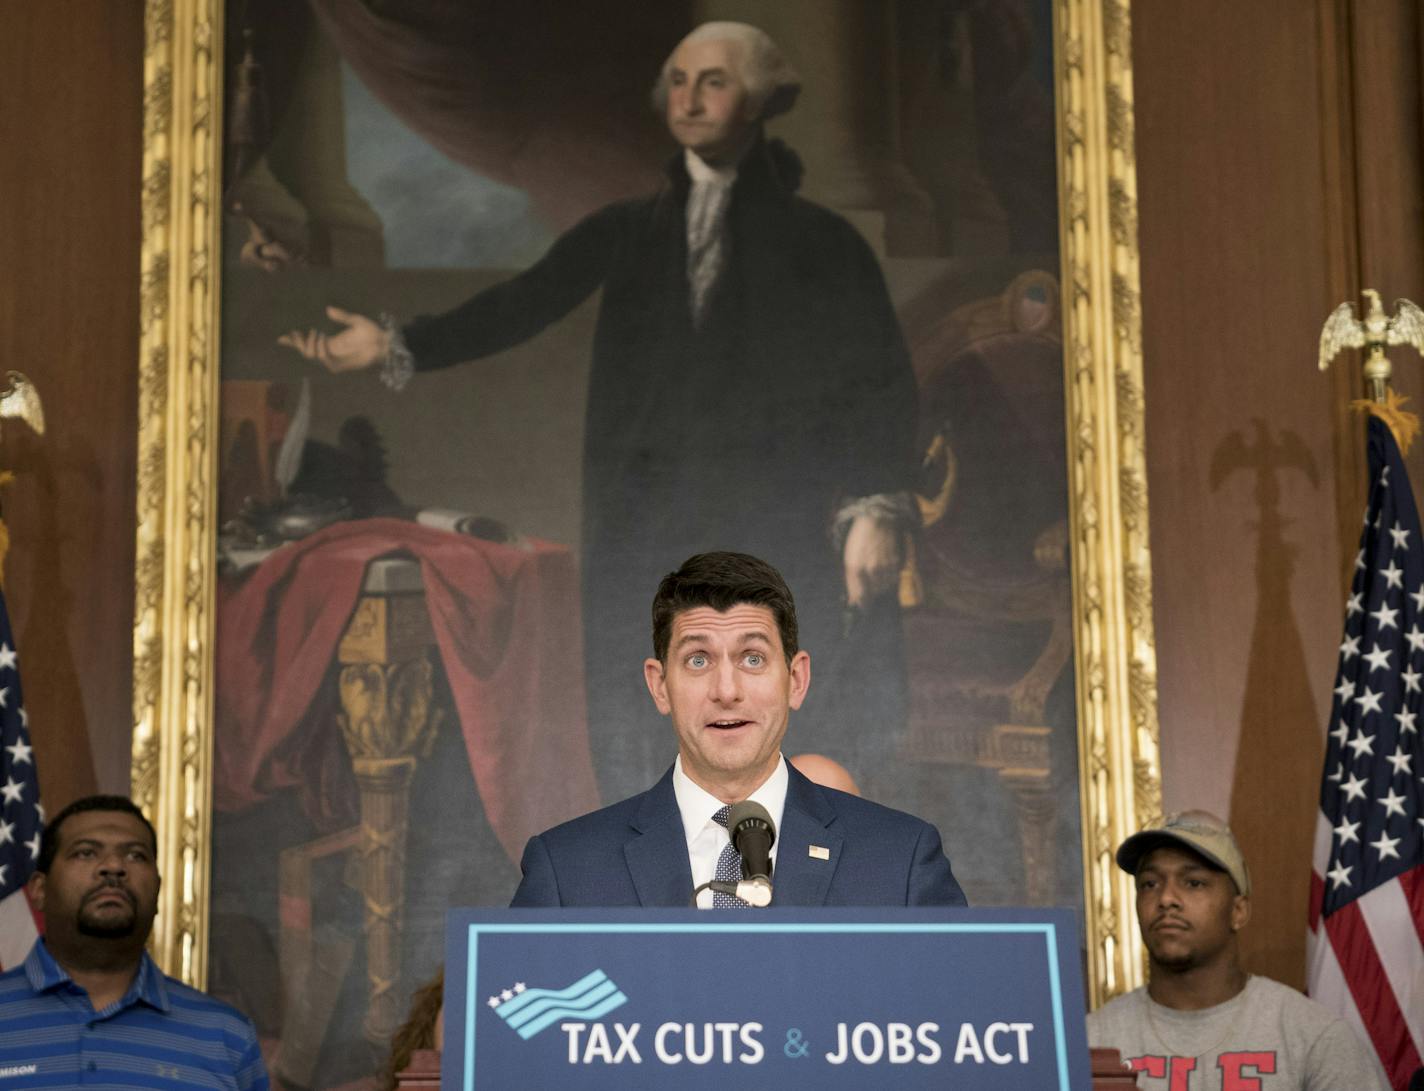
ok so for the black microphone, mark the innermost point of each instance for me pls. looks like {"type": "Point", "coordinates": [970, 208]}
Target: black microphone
{"type": "Point", "coordinates": [753, 833]}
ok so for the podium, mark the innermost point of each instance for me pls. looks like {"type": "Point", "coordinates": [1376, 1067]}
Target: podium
{"type": "Point", "coordinates": [981, 1000]}
{"type": "Point", "coordinates": [1109, 1074]}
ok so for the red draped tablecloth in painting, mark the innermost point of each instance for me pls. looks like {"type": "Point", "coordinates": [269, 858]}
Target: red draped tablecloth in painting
{"type": "Point", "coordinates": [507, 626]}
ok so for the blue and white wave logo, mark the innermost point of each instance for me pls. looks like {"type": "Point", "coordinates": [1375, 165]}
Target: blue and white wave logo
{"type": "Point", "coordinates": [528, 1011]}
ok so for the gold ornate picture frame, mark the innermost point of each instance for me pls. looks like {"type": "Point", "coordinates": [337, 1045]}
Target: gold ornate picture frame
{"type": "Point", "coordinates": [176, 562]}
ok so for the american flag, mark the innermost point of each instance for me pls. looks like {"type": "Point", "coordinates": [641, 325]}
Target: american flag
{"type": "Point", "coordinates": [1367, 887]}
{"type": "Point", "coordinates": [21, 816]}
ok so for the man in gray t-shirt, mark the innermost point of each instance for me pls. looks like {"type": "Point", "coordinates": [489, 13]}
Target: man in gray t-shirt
{"type": "Point", "coordinates": [1202, 1023]}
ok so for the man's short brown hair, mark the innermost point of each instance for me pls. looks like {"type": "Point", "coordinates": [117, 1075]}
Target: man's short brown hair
{"type": "Point", "coordinates": [721, 581]}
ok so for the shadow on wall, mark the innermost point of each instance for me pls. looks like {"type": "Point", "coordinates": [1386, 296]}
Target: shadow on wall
{"type": "Point", "coordinates": [1273, 793]}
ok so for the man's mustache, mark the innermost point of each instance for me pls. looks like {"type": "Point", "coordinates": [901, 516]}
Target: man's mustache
{"type": "Point", "coordinates": [110, 886]}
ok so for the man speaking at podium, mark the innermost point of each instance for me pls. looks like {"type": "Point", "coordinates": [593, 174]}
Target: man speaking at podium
{"type": "Point", "coordinates": [728, 671]}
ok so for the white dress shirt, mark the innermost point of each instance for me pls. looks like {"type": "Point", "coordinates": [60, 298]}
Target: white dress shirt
{"type": "Point", "coordinates": [705, 838]}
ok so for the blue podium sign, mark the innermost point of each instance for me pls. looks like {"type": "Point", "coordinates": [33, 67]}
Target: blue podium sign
{"type": "Point", "coordinates": [784, 998]}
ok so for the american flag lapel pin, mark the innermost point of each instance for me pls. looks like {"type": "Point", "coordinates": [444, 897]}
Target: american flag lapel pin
{"type": "Point", "coordinates": [816, 852]}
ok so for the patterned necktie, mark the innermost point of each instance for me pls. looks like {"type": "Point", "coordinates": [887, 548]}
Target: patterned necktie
{"type": "Point", "coordinates": [729, 869]}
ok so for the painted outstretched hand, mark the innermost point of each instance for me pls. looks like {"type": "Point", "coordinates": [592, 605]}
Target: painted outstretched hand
{"type": "Point", "coordinates": [361, 343]}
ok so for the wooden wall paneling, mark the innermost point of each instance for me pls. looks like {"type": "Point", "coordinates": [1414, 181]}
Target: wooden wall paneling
{"type": "Point", "coordinates": [1335, 34]}
{"type": "Point", "coordinates": [70, 115]}
{"type": "Point", "coordinates": [1389, 179]}
{"type": "Point", "coordinates": [1236, 280]}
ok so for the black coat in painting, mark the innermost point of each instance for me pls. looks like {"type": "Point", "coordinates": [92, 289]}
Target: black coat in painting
{"type": "Point", "coordinates": [747, 433]}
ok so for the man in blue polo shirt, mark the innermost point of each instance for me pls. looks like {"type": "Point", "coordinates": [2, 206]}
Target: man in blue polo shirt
{"type": "Point", "coordinates": [88, 1007]}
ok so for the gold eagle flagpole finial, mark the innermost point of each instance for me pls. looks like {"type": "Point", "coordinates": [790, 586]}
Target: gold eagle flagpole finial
{"type": "Point", "coordinates": [1373, 333]}
{"type": "Point", "coordinates": [20, 401]}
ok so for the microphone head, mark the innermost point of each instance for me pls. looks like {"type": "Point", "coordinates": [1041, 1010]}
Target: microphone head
{"type": "Point", "coordinates": [748, 817]}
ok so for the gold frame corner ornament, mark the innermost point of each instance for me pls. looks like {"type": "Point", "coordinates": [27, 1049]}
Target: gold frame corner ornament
{"type": "Point", "coordinates": [175, 567]}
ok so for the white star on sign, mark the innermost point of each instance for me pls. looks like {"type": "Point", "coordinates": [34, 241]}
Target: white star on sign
{"type": "Point", "coordinates": [7, 833]}
{"type": "Point", "coordinates": [1360, 561]}
{"type": "Point", "coordinates": [506, 995]}
{"type": "Point", "coordinates": [1392, 804]}
{"type": "Point", "coordinates": [1350, 648]}
{"type": "Point", "coordinates": [1400, 760]}
{"type": "Point", "coordinates": [1339, 773]}
{"type": "Point", "coordinates": [1356, 603]}
{"type": "Point", "coordinates": [20, 751]}
{"type": "Point", "coordinates": [494, 1001]}
{"type": "Point", "coordinates": [519, 986]}
{"type": "Point", "coordinates": [1400, 536]}
{"type": "Point", "coordinates": [1385, 617]}
{"type": "Point", "coordinates": [1411, 677]}
{"type": "Point", "coordinates": [1346, 831]}
{"type": "Point", "coordinates": [1345, 690]}
{"type": "Point", "coordinates": [3, 868]}
{"type": "Point", "coordinates": [1385, 846]}
{"type": "Point", "coordinates": [1341, 733]}
{"type": "Point", "coordinates": [33, 844]}
{"type": "Point", "coordinates": [1415, 638]}
{"type": "Point", "coordinates": [1418, 597]}
{"type": "Point", "coordinates": [1362, 744]}
{"type": "Point", "coordinates": [7, 657]}
{"type": "Point", "coordinates": [12, 791]}
{"type": "Point", "coordinates": [1339, 875]}
{"type": "Point", "coordinates": [1369, 701]}
{"type": "Point", "coordinates": [1393, 577]}
{"type": "Point", "coordinates": [1406, 721]}
{"type": "Point", "coordinates": [1378, 659]}
{"type": "Point", "coordinates": [1354, 788]}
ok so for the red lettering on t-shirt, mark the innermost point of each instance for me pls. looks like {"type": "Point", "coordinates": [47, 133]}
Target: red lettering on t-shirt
{"type": "Point", "coordinates": [1231, 1065]}
{"type": "Point", "coordinates": [1157, 1068]}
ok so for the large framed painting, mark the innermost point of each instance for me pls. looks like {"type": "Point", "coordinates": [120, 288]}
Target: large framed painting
{"type": "Point", "coordinates": [464, 323]}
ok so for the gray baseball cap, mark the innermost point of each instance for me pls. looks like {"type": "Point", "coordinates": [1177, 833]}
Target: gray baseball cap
{"type": "Point", "coordinates": [1200, 831]}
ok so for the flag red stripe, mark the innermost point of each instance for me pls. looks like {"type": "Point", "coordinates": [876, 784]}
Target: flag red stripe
{"type": "Point", "coordinates": [1412, 882]}
{"type": "Point", "coordinates": [1359, 962]}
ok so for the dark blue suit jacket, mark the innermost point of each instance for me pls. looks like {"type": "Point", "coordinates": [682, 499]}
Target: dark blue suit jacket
{"type": "Point", "coordinates": [635, 853]}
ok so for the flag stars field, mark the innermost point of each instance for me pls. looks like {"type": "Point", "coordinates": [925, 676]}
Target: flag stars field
{"type": "Point", "coordinates": [21, 817]}
{"type": "Point", "coordinates": [1369, 863]}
